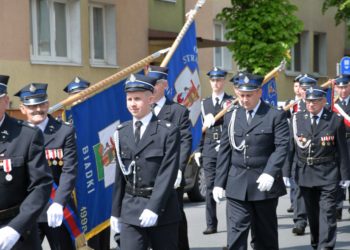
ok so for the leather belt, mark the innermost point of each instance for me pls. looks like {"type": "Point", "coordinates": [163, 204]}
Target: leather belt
{"type": "Point", "coordinates": [347, 135]}
{"type": "Point", "coordinates": [214, 136]}
{"type": "Point", "coordinates": [314, 160]}
{"type": "Point", "coordinates": [143, 192]}
{"type": "Point", "coordinates": [9, 213]}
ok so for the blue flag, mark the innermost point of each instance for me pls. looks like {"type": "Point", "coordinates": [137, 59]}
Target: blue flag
{"type": "Point", "coordinates": [95, 120]}
{"type": "Point", "coordinates": [269, 92]}
{"type": "Point", "coordinates": [183, 80]}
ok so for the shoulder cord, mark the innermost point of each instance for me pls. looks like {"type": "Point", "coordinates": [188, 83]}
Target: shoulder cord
{"type": "Point", "coordinates": [231, 130]}
{"type": "Point", "coordinates": [296, 139]}
{"type": "Point", "coordinates": [126, 171]}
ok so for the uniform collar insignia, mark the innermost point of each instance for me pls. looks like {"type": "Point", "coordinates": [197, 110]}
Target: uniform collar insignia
{"type": "Point", "coordinates": [5, 132]}
{"type": "Point", "coordinates": [306, 116]}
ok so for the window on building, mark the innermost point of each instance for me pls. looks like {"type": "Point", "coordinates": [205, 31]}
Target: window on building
{"type": "Point", "coordinates": [320, 54]}
{"type": "Point", "coordinates": [102, 35]}
{"type": "Point", "coordinates": [222, 56]}
{"type": "Point", "coordinates": [55, 30]}
{"type": "Point", "coordinates": [299, 55]}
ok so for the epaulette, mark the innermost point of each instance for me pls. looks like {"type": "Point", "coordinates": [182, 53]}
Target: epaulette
{"type": "Point", "coordinates": [164, 123]}
{"type": "Point", "coordinates": [27, 124]}
{"type": "Point", "coordinates": [122, 125]}
{"type": "Point", "coordinates": [59, 120]}
{"type": "Point", "coordinates": [232, 107]}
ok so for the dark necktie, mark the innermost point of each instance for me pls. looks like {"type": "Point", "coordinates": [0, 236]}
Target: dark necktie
{"type": "Point", "coordinates": [217, 103]}
{"type": "Point", "coordinates": [138, 125]}
{"type": "Point", "coordinates": [314, 123]}
{"type": "Point", "coordinates": [250, 117]}
{"type": "Point", "coordinates": [153, 105]}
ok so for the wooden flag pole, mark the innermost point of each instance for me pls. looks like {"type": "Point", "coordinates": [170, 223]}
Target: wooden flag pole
{"type": "Point", "coordinates": [181, 34]}
{"type": "Point", "coordinates": [107, 82]}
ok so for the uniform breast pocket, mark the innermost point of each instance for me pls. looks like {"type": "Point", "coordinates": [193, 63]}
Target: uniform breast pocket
{"type": "Point", "coordinates": [125, 154]}
{"type": "Point", "coordinates": [263, 133]}
{"type": "Point", "coordinates": [154, 153]}
{"type": "Point", "coordinates": [17, 175]}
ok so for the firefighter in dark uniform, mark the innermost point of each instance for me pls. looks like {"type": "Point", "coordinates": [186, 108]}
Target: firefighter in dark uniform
{"type": "Point", "coordinates": [178, 115]}
{"type": "Point", "coordinates": [342, 87]}
{"type": "Point", "coordinates": [253, 149]}
{"type": "Point", "coordinates": [210, 142]}
{"type": "Point", "coordinates": [100, 241]}
{"type": "Point", "coordinates": [145, 205]}
{"type": "Point", "coordinates": [299, 214]}
{"type": "Point", "coordinates": [319, 141]}
{"type": "Point", "coordinates": [60, 149]}
{"type": "Point", "coordinates": [25, 180]}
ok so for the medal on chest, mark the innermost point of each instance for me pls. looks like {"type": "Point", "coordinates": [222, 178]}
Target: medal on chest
{"type": "Point", "coordinates": [54, 157]}
{"type": "Point", "coordinates": [7, 166]}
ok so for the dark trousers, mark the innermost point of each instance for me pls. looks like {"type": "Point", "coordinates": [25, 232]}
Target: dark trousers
{"type": "Point", "coordinates": [299, 214]}
{"type": "Point", "coordinates": [242, 214]}
{"type": "Point", "coordinates": [159, 237]}
{"type": "Point", "coordinates": [100, 241]}
{"type": "Point", "coordinates": [58, 237]}
{"type": "Point", "coordinates": [321, 211]}
{"type": "Point", "coordinates": [209, 166]}
{"type": "Point", "coordinates": [341, 194]}
{"type": "Point", "coordinates": [183, 238]}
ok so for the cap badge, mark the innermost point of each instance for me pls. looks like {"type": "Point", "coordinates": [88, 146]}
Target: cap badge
{"type": "Point", "coordinates": [32, 88]}
{"type": "Point", "coordinates": [215, 69]}
{"type": "Point", "coordinates": [132, 78]}
{"type": "Point", "coordinates": [246, 79]}
{"type": "Point", "coordinates": [76, 80]}
{"type": "Point", "coordinates": [311, 90]}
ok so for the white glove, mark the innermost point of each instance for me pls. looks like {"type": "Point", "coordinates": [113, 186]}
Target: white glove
{"type": "Point", "coordinates": [148, 218]}
{"type": "Point", "coordinates": [344, 184]}
{"type": "Point", "coordinates": [8, 238]}
{"type": "Point", "coordinates": [178, 179]}
{"type": "Point", "coordinates": [197, 157]}
{"type": "Point", "coordinates": [286, 181]}
{"type": "Point", "coordinates": [55, 215]}
{"type": "Point", "coordinates": [265, 182]}
{"type": "Point", "coordinates": [115, 224]}
{"type": "Point", "coordinates": [209, 120]}
{"type": "Point", "coordinates": [218, 193]}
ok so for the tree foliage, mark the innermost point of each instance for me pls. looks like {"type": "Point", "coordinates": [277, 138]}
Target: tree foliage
{"type": "Point", "coordinates": [343, 9]}
{"type": "Point", "coordinates": [262, 31]}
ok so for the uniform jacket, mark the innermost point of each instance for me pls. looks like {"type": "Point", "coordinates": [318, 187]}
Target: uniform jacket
{"type": "Point", "coordinates": [208, 144]}
{"type": "Point", "coordinates": [60, 135]}
{"type": "Point", "coordinates": [157, 160]}
{"type": "Point", "coordinates": [178, 115]}
{"type": "Point", "coordinates": [31, 184]}
{"type": "Point", "coordinates": [327, 141]}
{"type": "Point", "coordinates": [347, 129]}
{"type": "Point", "coordinates": [267, 143]}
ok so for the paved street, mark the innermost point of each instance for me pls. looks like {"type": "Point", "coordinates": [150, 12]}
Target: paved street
{"type": "Point", "coordinates": [195, 213]}
{"type": "Point", "coordinates": [287, 241]}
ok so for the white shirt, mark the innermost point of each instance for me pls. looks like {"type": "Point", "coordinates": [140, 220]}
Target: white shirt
{"type": "Point", "coordinates": [145, 121]}
{"type": "Point", "coordinates": [159, 105]}
{"type": "Point", "coordinates": [43, 124]}
{"type": "Point", "coordinates": [2, 120]}
{"type": "Point", "coordinates": [213, 98]}
{"type": "Point", "coordinates": [346, 100]}
{"type": "Point", "coordinates": [319, 116]}
{"type": "Point", "coordinates": [254, 110]}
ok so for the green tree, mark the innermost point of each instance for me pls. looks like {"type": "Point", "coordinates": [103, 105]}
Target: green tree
{"type": "Point", "coordinates": [262, 31]}
{"type": "Point", "coordinates": [343, 9]}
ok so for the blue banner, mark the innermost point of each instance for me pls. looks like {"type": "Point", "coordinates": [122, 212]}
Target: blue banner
{"type": "Point", "coordinates": [269, 92]}
{"type": "Point", "coordinates": [183, 80]}
{"type": "Point", "coordinates": [95, 121]}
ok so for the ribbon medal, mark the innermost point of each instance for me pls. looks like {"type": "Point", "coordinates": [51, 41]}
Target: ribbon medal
{"type": "Point", "coordinates": [6, 164]}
